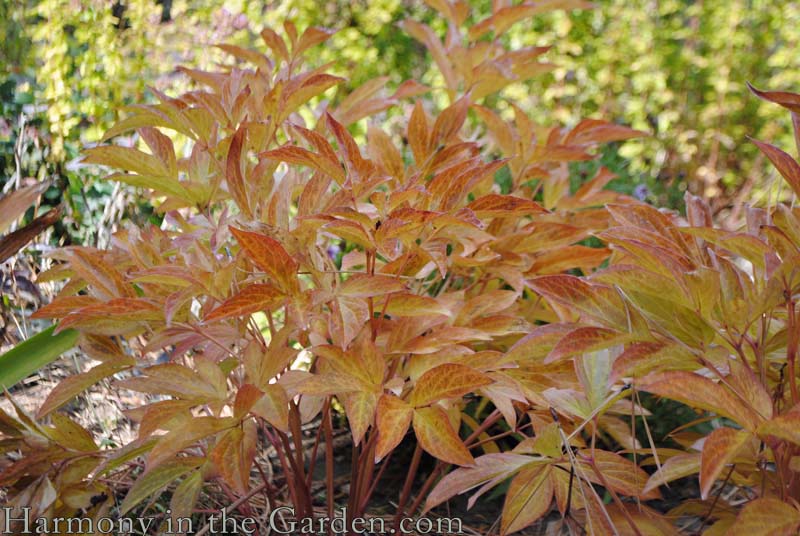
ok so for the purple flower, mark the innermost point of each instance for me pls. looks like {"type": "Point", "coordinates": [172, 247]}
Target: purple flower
{"type": "Point", "coordinates": [641, 192]}
{"type": "Point", "coordinates": [333, 251]}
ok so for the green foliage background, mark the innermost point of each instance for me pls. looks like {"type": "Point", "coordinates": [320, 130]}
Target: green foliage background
{"type": "Point", "coordinates": [676, 68]}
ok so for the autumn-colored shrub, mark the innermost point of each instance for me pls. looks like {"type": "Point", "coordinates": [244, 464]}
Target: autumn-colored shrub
{"type": "Point", "coordinates": [698, 315]}
{"type": "Point", "coordinates": [242, 286]}
{"type": "Point", "coordinates": [302, 272]}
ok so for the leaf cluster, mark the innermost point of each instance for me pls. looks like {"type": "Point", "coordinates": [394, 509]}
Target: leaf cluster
{"type": "Point", "coordinates": [301, 268]}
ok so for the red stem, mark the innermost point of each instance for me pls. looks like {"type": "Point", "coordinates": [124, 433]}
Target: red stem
{"type": "Point", "coordinates": [791, 354]}
{"type": "Point", "coordinates": [440, 468]}
{"type": "Point", "coordinates": [328, 425]}
{"type": "Point", "coordinates": [404, 494]}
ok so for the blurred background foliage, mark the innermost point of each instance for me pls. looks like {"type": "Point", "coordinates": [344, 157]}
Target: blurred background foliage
{"type": "Point", "coordinates": [675, 68]}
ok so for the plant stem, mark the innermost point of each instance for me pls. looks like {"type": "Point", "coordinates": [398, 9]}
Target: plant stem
{"type": "Point", "coordinates": [615, 498]}
{"type": "Point", "coordinates": [791, 354]}
{"type": "Point", "coordinates": [285, 465]}
{"type": "Point", "coordinates": [327, 423]}
{"type": "Point", "coordinates": [354, 481]}
{"type": "Point", "coordinates": [375, 481]}
{"type": "Point", "coordinates": [485, 425]}
{"type": "Point", "coordinates": [716, 498]}
{"type": "Point", "coordinates": [233, 506]}
{"type": "Point", "coordinates": [312, 462]}
{"type": "Point", "coordinates": [440, 468]}
{"type": "Point", "coordinates": [366, 464]}
{"type": "Point", "coordinates": [404, 494]}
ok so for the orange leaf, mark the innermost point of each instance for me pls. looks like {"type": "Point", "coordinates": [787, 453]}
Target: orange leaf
{"type": "Point", "coordinates": [247, 395]}
{"type": "Point", "coordinates": [312, 36]}
{"type": "Point", "coordinates": [528, 498]}
{"type": "Point", "coordinates": [783, 162]}
{"type": "Point", "coordinates": [275, 43]}
{"type": "Point", "coordinates": [256, 58]}
{"type": "Point", "coordinates": [174, 380]}
{"type": "Point", "coordinates": [392, 420]}
{"type": "Point", "coordinates": [354, 102]}
{"type": "Point", "coordinates": [448, 10]}
{"type": "Point", "coordinates": [11, 243]}
{"type": "Point", "coordinates": [648, 218]}
{"type": "Point", "coordinates": [156, 479]}
{"type": "Point", "coordinates": [493, 468]}
{"type": "Point", "coordinates": [160, 416]}
{"type": "Point", "coordinates": [542, 237]}
{"type": "Point", "coordinates": [599, 302]}
{"type": "Point", "coordinates": [251, 299]}
{"type": "Point", "coordinates": [383, 151]}
{"type": "Point", "coordinates": [446, 381]}
{"type": "Point", "coordinates": [767, 517]}
{"type": "Point", "coordinates": [307, 90]}
{"type": "Point", "coordinates": [364, 286]}
{"type": "Point", "coordinates": [352, 232]}
{"type": "Point", "coordinates": [646, 520]}
{"type": "Point", "coordinates": [106, 280]}
{"type": "Point", "coordinates": [407, 304]}
{"type": "Point", "coordinates": [360, 410]}
{"type": "Point", "coordinates": [71, 386]}
{"type": "Point", "coordinates": [443, 337]}
{"type": "Point", "coordinates": [565, 258]}
{"type": "Point", "coordinates": [679, 466]}
{"type": "Point", "coordinates": [786, 427]}
{"type": "Point", "coordinates": [16, 203]}
{"type": "Point", "coordinates": [70, 435]}
{"type": "Point", "coordinates": [502, 20]}
{"type": "Point", "coordinates": [410, 88]}
{"type": "Point", "coordinates": [162, 148]}
{"type": "Point", "coordinates": [349, 318]}
{"type": "Point", "coordinates": [297, 155]}
{"type": "Point", "coordinates": [620, 474]}
{"type": "Point", "coordinates": [129, 159]}
{"type": "Point", "coordinates": [719, 449]}
{"type": "Point", "coordinates": [745, 383]}
{"type": "Point", "coordinates": [585, 339]}
{"type": "Point", "coordinates": [177, 276]}
{"type": "Point", "coordinates": [186, 434]}
{"type": "Point", "coordinates": [537, 344]}
{"type": "Point", "coordinates": [269, 255]}
{"type": "Point", "coordinates": [233, 455]}
{"type": "Point", "coordinates": [357, 166]}
{"type": "Point", "coordinates": [744, 245]}
{"type": "Point", "coordinates": [118, 314]}
{"type": "Point", "coordinates": [273, 407]}
{"type": "Point", "coordinates": [233, 174]}
{"type": "Point", "coordinates": [597, 131]}
{"type": "Point", "coordinates": [437, 437]}
{"type": "Point", "coordinates": [506, 16]}
{"type": "Point", "coordinates": [500, 130]}
{"type": "Point", "coordinates": [262, 366]}
{"type": "Point", "coordinates": [449, 122]}
{"type": "Point", "coordinates": [486, 303]}
{"type": "Point", "coordinates": [702, 393]}
{"type": "Point", "coordinates": [790, 101]}
{"type": "Point", "coordinates": [330, 383]}
{"type": "Point", "coordinates": [64, 305]}
{"type": "Point", "coordinates": [641, 358]}
{"type": "Point", "coordinates": [503, 206]}
{"type": "Point", "coordinates": [418, 134]}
